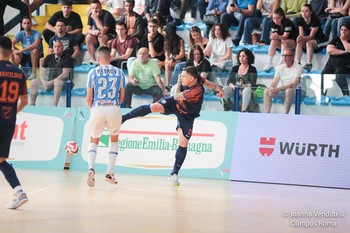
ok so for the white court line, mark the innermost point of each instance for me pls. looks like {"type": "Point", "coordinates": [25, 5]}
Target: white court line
{"type": "Point", "coordinates": [41, 189]}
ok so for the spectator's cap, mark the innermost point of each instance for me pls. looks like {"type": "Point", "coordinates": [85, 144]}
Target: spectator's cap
{"type": "Point", "coordinates": [129, 1]}
{"type": "Point", "coordinates": [67, 2]}
{"type": "Point", "coordinates": [346, 24]}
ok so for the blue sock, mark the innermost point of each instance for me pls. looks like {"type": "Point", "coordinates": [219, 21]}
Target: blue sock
{"type": "Point", "coordinates": [10, 174]}
{"type": "Point", "coordinates": [137, 112]}
{"type": "Point", "coordinates": [179, 159]}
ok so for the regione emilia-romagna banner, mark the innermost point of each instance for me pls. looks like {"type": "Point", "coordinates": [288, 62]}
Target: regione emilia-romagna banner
{"type": "Point", "coordinates": [290, 149]}
{"type": "Point", "coordinates": [147, 145]}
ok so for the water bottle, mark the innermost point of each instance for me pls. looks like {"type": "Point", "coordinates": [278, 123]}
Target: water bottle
{"type": "Point", "coordinates": [297, 100]}
{"type": "Point", "coordinates": [236, 99]}
{"type": "Point", "coordinates": [69, 86]}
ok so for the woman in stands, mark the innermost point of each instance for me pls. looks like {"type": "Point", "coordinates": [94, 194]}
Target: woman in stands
{"type": "Point", "coordinates": [283, 35]}
{"type": "Point", "coordinates": [335, 6]}
{"type": "Point", "coordinates": [243, 75]}
{"type": "Point", "coordinates": [310, 37]}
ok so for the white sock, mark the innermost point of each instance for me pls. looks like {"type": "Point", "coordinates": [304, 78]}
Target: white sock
{"type": "Point", "coordinates": [270, 60]}
{"type": "Point", "coordinates": [92, 151]}
{"type": "Point", "coordinates": [113, 153]}
{"type": "Point", "coordinates": [18, 188]}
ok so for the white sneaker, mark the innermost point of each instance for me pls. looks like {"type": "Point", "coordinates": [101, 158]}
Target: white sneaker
{"type": "Point", "coordinates": [31, 77]}
{"type": "Point", "coordinates": [91, 178]}
{"type": "Point", "coordinates": [111, 179]}
{"type": "Point", "coordinates": [174, 179]}
{"type": "Point", "coordinates": [34, 22]}
{"type": "Point", "coordinates": [268, 67]}
{"type": "Point", "coordinates": [19, 199]}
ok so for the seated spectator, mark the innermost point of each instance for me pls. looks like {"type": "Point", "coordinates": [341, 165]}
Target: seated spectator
{"type": "Point", "coordinates": [123, 46]}
{"type": "Point", "coordinates": [286, 79]}
{"type": "Point", "coordinates": [283, 35]}
{"type": "Point", "coordinates": [174, 47]}
{"type": "Point", "coordinates": [339, 58]}
{"type": "Point", "coordinates": [340, 7]}
{"type": "Point", "coordinates": [292, 8]}
{"type": "Point", "coordinates": [319, 7]}
{"type": "Point", "coordinates": [237, 13]}
{"type": "Point", "coordinates": [310, 37]}
{"type": "Point", "coordinates": [32, 7]}
{"type": "Point", "coordinates": [115, 7]}
{"type": "Point", "coordinates": [198, 61]}
{"type": "Point", "coordinates": [217, 8]}
{"type": "Point", "coordinates": [70, 45]}
{"type": "Point", "coordinates": [72, 19]}
{"type": "Point", "coordinates": [144, 78]}
{"type": "Point", "coordinates": [160, 6]}
{"type": "Point", "coordinates": [219, 48]}
{"type": "Point", "coordinates": [243, 75]}
{"type": "Point", "coordinates": [54, 73]}
{"type": "Point", "coordinates": [100, 29]}
{"type": "Point", "coordinates": [133, 21]}
{"type": "Point", "coordinates": [140, 7]}
{"type": "Point", "coordinates": [159, 16]}
{"type": "Point", "coordinates": [196, 38]}
{"type": "Point", "coordinates": [262, 21]}
{"type": "Point", "coordinates": [32, 47]}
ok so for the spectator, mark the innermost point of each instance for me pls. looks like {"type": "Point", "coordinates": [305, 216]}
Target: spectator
{"type": "Point", "coordinates": [17, 4]}
{"type": "Point", "coordinates": [160, 6]}
{"type": "Point", "coordinates": [237, 13]}
{"type": "Point", "coordinates": [32, 47]}
{"type": "Point", "coordinates": [196, 38]}
{"type": "Point", "coordinates": [283, 35]}
{"type": "Point", "coordinates": [202, 6]}
{"type": "Point", "coordinates": [243, 75]}
{"type": "Point", "coordinates": [72, 19]}
{"type": "Point", "coordinates": [217, 8]}
{"type": "Point", "coordinates": [174, 47]}
{"type": "Point", "coordinates": [262, 21]}
{"type": "Point", "coordinates": [32, 7]}
{"type": "Point", "coordinates": [339, 58]}
{"type": "Point", "coordinates": [219, 48]}
{"type": "Point", "coordinates": [144, 78]}
{"type": "Point", "coordinates": [339, 7]}
{"type": "Point", "coordinates": [123, 46]}
{"type": "Point", "coordinates": [292, 8]}
{"type": "Point", "coordinates": [140, 7]}
{"type": "Point", "coordinates": [310, 36]}
{"type": "Point", "coordinates": [54, 72]}
{"type": "Point", "coordinates": [70, 45]}
{"type": "Point", "coordinates": [133, 21]}
{"type": "Point", "coordinates": [319, 7]}
{"type": "Point", "coordinates": [286, 79]}
{"type": "Point", "coordinates": [100, 29]}
{"type": "Point", "coordinates": [115, 7]}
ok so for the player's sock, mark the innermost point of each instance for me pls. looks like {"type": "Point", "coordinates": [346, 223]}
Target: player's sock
{"type": "Point", "coordinates": [10, 174]}
{"type": "Point", "coordinates": [113, 153]}
{"type": "Point", "coordinates": [137, 112]}
{"type": "Point", "coordinates": [92, 150]}
{"type": "Point", "coordinates": [179, 159]}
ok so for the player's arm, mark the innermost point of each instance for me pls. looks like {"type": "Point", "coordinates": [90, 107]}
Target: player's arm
{"type": "Point", "coordinates": [22, 102]}
{"type": "Point", "coordinates": [121, 95]}
{"type": "Point", "coordinates": [89, 96]}
{"type": "Point", "coordinates": [178, 95]}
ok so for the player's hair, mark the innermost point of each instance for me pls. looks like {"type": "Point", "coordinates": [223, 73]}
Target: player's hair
{"type": "Point", "coordinates": [5, 45]}
{"type": "Point", "coordinates": [191, 70]}
{"type": "Point", "coordinates": [103, 51]}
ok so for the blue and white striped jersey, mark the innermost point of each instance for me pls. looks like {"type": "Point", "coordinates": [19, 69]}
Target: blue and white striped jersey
{"type": "Point", "coordinates": [106, 81]}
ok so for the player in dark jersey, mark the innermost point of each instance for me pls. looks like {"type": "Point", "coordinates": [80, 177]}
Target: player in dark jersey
{"type": "Point", "coordinates": [13, 98]}
{"type": "Point", "coordinates": [186, 105]}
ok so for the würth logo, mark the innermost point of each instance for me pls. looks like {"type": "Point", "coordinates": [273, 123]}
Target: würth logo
{"type": "Point", "coordinates": [267, 146]}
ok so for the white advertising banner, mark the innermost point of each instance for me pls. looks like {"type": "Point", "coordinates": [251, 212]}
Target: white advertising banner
{"type": "Point", "coordinates": [292, 149]}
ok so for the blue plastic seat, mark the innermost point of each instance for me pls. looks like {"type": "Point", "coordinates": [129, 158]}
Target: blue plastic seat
{"type": "Point", "coordinates": [266, 74]}
{"type": "Point", "coordinates": [261, 49]}
{"type": "Point", "coordinates": [84, 68]}
{"type": "Point", "coordinates": [342, 101]}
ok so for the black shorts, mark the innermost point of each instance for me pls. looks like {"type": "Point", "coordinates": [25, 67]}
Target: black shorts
{"type": "Point", "coordinates": [6, 134]}
{"type": "Point", "coordinates": [183, 121]}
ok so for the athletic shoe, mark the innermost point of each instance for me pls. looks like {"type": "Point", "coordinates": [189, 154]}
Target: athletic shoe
{"type": "Point", "coordinates": [174, 179]}
{"type": "Point", "coordinates": [268, 67]}
{"type": "Point", "coordinates": [31, 77]}
{"type": "Point", "coordinates": [111, 179]}
{"type": "Point", "coordinates": [308, 67]}
{"type": "Point", "coordinates": [19, 199]}
{"type": "Point", "coordinates": [91, 178]}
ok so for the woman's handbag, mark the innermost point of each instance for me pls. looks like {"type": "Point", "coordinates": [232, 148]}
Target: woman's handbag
{"type": "Point", "coordinates": [211, 19]}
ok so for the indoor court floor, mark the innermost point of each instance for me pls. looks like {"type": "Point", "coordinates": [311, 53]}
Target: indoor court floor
{"type": "Point", "coordinates": [60, 201]}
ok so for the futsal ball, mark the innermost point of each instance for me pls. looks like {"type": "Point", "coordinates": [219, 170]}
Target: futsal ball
{"type": "Point", "coordinates": [71, 148]}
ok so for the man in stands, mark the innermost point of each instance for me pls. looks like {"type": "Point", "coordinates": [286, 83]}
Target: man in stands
{"type": "Point", "coordinates": [32, 47]}
{"type": "Point", "coordinates": [73, 21]}
{"type": "Point", "coordinates": [54, 72]}
{"type": "Point", "coordinates": [133, 21]}
{"type": "Point", "coordinates": [100, 29]}
{"type": "Point", "coordinates": [289, 76]}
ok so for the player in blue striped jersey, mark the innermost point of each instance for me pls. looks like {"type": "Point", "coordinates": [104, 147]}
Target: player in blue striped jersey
{"type": "Point", "coordinates": [105, 93]}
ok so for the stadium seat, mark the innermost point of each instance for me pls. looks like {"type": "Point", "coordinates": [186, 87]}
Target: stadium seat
{"type": "Point", "coordinates": [342, 101]}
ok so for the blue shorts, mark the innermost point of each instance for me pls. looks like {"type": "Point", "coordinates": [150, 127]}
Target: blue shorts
{"type": "Point", "coordinates": [183, 121]}
{"type": "Point", "coordinates": [6, 135]}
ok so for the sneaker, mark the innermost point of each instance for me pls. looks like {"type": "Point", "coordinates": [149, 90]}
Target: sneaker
{"type": "Point", "coordinates": [34, 22]}
{"type": "Point", "coordinates": [308, 67]}
{"type": "Point", "coordinates": [111, 179]}
{"type": "Point", "coordinates": [236, 41]}
{"type": "Point", "coordinates": [268, 67]}
{"type": "Point", "coordinates": [19, 199]}
{"type": "Point", "coordinates": [31, 77]}
{"type": "Point", "coordinates": [91, 178]}
{"type": "Point", "coordinates": [174, 179]}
